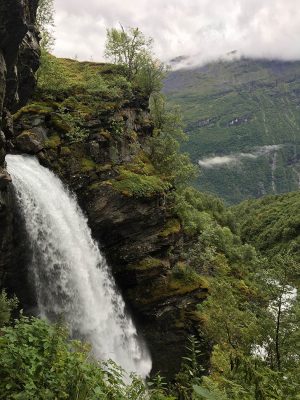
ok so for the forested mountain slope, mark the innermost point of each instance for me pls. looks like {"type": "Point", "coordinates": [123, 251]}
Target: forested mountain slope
{"type": "Point", "coordinates": [243, 121]}
{"type": "Point", "coordinates": [272, 223]}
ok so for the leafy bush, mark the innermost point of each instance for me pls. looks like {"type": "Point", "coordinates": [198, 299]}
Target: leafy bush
{"type": "Point", "coordinates": [38, 362]}
{"type": "Point", "coordinates": [7, 306]}
{"type": "Point", "coordinates": [165, 143]}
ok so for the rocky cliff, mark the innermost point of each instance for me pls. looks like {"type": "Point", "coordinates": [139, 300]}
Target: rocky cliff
{"type": "Point", "coordinates": [125, 203]}
{"type": "Point", "coordinates": [109, 170]}
{"type": "Point", "coordinates": [19, 59]}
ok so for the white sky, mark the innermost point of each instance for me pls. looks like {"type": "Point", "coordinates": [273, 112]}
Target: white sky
{"type": "Point", "coordinates": [201, 29]}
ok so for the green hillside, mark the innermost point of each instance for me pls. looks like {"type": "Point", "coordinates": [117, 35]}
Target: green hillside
{"type": "Point", "coordinates": [272, 223]}
{"type": "Point", "coordinates": [241, 109]}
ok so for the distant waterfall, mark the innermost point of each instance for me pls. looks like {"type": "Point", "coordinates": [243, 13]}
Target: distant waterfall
{"type": "Point", "coordinates": [71, 277]}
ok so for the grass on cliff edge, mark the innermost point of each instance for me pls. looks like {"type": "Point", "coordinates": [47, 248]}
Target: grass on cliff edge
{"type": "Point", "coordinates": [57, 76]}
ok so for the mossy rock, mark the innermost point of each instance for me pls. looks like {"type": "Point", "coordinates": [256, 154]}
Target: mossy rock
{"type": "Point", "coordinates": [103, 167]}
{"type": "Point", "coordinates": [53, 142]}
{"type": "Point", "coordinates": [172, 227]}
{"type": "Point", "coordinates": [105, 134]}
{"type": "Point", "coordinates": [65, 151]}
{"type": "Point", "coordinates": [29, 142]}
{"type": "Point", "coordinates": [87, 165]}
{"type": "Point", "coordinates": [131, 184]}
{"type": "Point", "coordinates": [171, 286]}
{"type": "Point", "coordinates": [34, 108]}
{"type": "Point", "coordinates": [60, 124]}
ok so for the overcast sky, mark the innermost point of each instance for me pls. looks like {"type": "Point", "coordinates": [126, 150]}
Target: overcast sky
{"type": "Point", "coordinates": [201, 29]}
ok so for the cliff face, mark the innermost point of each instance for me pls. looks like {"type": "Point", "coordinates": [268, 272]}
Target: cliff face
{"type": "Point", "coordinates": [116, 185]}
{"type": "Point", "coordinates": [19, 59]}
{"type": "Point", "coordinates": [139, 234]}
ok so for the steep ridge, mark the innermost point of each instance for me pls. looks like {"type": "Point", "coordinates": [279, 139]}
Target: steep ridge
{"type": "Point", "coordinates": [243, 121]}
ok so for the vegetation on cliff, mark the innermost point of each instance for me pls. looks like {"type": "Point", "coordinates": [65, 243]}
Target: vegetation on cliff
{"type": "Point", "coordinates": [103, 136]}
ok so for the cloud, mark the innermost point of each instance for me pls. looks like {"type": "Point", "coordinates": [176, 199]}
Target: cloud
{"type": "Point", "coordinates": [218, 161]}
{"type": "Point", "coordinates": [203, 30]}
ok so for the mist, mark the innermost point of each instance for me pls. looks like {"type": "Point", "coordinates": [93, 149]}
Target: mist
{"type": "Point", "coordinates": [218, 161]}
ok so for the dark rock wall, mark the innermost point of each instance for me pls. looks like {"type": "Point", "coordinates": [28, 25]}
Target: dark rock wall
{"type": "Point", "coordinates": [19, 60]}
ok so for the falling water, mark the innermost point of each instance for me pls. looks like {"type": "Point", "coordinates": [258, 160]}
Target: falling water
{"type": "Point", "coordinates": [71, 278]}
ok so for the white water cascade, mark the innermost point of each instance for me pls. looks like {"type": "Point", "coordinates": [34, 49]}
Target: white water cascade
{"type": "Point", "coordinates": [71, 277]}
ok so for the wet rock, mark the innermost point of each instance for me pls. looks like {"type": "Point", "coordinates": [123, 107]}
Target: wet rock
{"type": "Point", "coordinates": [5, 178]}
{"type": "Point", "coordinates": [8, 124]}
{"type": "Point", "coordinates": [2, 139]}
{"type": "Point", "coordinates": [2, 79]}
{"type": "Point", "coordinates": [29, 142]}
{"type": "Point", "coordinates": [19, 60]}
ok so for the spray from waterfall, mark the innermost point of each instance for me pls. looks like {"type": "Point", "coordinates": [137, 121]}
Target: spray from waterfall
{"type": "Point", "coordinates": [71, 278]}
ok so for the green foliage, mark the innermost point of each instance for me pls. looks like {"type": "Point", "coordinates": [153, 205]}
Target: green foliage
{"type": "Point", "coordinates": [72, 123]}
{"type": "Point", "coordinates": [149, 78]}
{"type": "Point", "coordinates": [7, 306]}
{"type": "Point", "coordinates": [282, 321]}
{"type": "Point", "coordinates": [128, 48]}
{"type": "Point", "coordinates": [139, 185]}
{"type": "Point", "coordinates": [198, 210]}
{"type": "Point", "coordinates": [272, 223]}
{"type": "Point", "coordinates": [186, 274]}
{"type": "Point", "coordinates": [254, 324]}
{"type": "Point", "coordinates": [165, 143]}
{"type": "Point", "coordinates": [45, 23]}
{"type": "Point", "coordinates": [172, 227]}
{"type": "Point", "coordinates": [38, 362]}
{"type": "Point", "coordinates": [190, 370]}
{"type": "Point", "coordinates": [61, 77]}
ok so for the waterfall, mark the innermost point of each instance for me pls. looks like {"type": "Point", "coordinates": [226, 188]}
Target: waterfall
{"type": "Point", "coordinates": [273, 169]}
{"type": "Point", "coordinates": [71, 278]}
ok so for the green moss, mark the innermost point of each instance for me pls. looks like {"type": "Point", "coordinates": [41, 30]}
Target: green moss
{"type": "Point", "coordinates": [183, 274]}
{"type": "Point", "coordinates": [65, 151]}
{"type": "Point", "coordinates": [132, 184]}
{"type": "Point", "coordinates": [172, 227]}
{"type": "Point", "coordinates": [105, 134]}
{"type": "Point", "coordinates": [53, 142]}
{"type": "Point", "coordinates": [87, 165]}
{"type": "Point", "coordinates": [34, 108]}
{"type": "Point", "coordinates": [60, 124]}
{"type": "Point", "coordinates": [96, 185]}
{"type": "Point", "coordinates": [103, 168]}
{"type": "Point", "coordinates": [172, 286]}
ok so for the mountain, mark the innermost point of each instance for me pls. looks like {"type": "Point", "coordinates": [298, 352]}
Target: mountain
{"type": "Point", "coordinates": [243, 122]}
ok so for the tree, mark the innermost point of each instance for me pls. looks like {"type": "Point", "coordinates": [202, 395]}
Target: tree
{"type": "Point", "coordinates": [165, 143]}
{"type": "Point", "coordinates": [282, 320]}
{"type": "Point", "coordinates": [129, 48]}
{"type": "Point", "coordinates": [45, 23]}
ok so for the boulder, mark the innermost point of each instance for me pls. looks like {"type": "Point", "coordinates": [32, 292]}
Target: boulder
{"type": "Point", "coordinates": [29, 142]}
